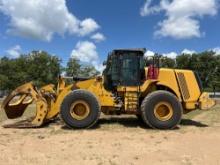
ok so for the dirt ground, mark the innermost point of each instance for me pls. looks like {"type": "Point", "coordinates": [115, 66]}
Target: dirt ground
{"type": "Point", "coordinates": [115, 140]}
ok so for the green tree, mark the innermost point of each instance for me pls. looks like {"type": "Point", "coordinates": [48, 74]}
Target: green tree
{"type": "Point", "coordinates": [11, 72]}
{"type": "Point", "coordinates": [206, 64]}
{"type": "Point", "coordinates": [183, 61]}
{"type": "Point", "coordinates": [76, 69]}
{"type": "Point", "coordinates": [73, 67]}
{"type": "Point", "coordinates": [43, 68]}
{"type": "Point", "coordinates": [88, 71]}
{"type": "Point", "coordinates": [37, 66]}
{"type": "Point", "coordinates": [167, 62]}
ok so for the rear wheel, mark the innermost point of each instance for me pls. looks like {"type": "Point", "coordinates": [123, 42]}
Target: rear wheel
{"type": "Point", "coordinates": [161, 110]}
{"type": "Point", "coordinates": [80, 109]}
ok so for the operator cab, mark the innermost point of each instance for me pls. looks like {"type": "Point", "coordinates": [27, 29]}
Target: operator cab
{"type": "Point", "coordinates": [124, 67]}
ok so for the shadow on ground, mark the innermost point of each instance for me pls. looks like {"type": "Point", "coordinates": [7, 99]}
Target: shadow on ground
{"type": "Point", "coordinates": [134, 122]}
{"type": "Point", "coordinates": [189, 122]}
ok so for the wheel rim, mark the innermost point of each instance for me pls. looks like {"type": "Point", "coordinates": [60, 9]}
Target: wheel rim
{"type": "Point", "coordinates": [163, 111]}
{"type": "Point", "coordinates": [79, 110]}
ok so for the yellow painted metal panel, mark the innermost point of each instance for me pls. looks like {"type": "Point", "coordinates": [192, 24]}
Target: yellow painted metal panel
{"type": "Point", "coordinates": [96, 87]}
{"type": "Point", "coordinates": [55, 107]}
{"type": "Point", "coordinates": [191, 85]}
{"type": "Point", "coordinates": [167, 78]}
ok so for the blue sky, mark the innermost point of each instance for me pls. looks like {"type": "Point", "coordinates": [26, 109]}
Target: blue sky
{"type": "Point", "coordinates": [160, 26]}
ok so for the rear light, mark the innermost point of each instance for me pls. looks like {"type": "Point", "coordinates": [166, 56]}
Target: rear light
{"type": "Point", "coordinates": [153, 72]}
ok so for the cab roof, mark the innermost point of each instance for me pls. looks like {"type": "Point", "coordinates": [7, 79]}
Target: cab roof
{"type": "Point", "coordinates": [140, 50]}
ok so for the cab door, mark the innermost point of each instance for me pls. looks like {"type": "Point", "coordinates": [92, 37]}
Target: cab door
{"type": "Point", "coordinates": [130, 70]}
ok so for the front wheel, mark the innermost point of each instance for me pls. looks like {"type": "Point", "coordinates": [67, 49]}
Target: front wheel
{"type": "Point", "coordinates": [161, 110]}
{"type": "Point", "coordinates": [80, 109]}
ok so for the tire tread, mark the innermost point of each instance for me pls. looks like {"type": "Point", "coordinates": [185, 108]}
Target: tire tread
{"type": "Point", "coordinates": [145, 104]}
{"type": "Point", "coordinates": [87, 95]}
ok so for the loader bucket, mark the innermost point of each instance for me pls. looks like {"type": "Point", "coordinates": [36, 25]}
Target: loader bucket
{"type": "Point", "coordinates": [15, 106]}
{"type": "Point", "coordinates": [17, 102]}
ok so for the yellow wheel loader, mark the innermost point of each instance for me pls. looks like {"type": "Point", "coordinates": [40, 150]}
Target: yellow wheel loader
{"type": "Point", "coordinates": [158, 96]}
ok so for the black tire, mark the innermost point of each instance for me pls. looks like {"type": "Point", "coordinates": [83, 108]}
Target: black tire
{"type": "Point", "coordinates": [149, 103]}
{"type": "Point", "coordinates": [92, 102]}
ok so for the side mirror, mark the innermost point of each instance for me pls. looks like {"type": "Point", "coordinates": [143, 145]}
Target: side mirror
{"type": "Point", "coordinates": [104, 63]}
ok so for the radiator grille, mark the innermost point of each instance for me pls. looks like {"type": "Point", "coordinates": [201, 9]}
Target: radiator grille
{"type": "Point", "coordinates": [183, 86]}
